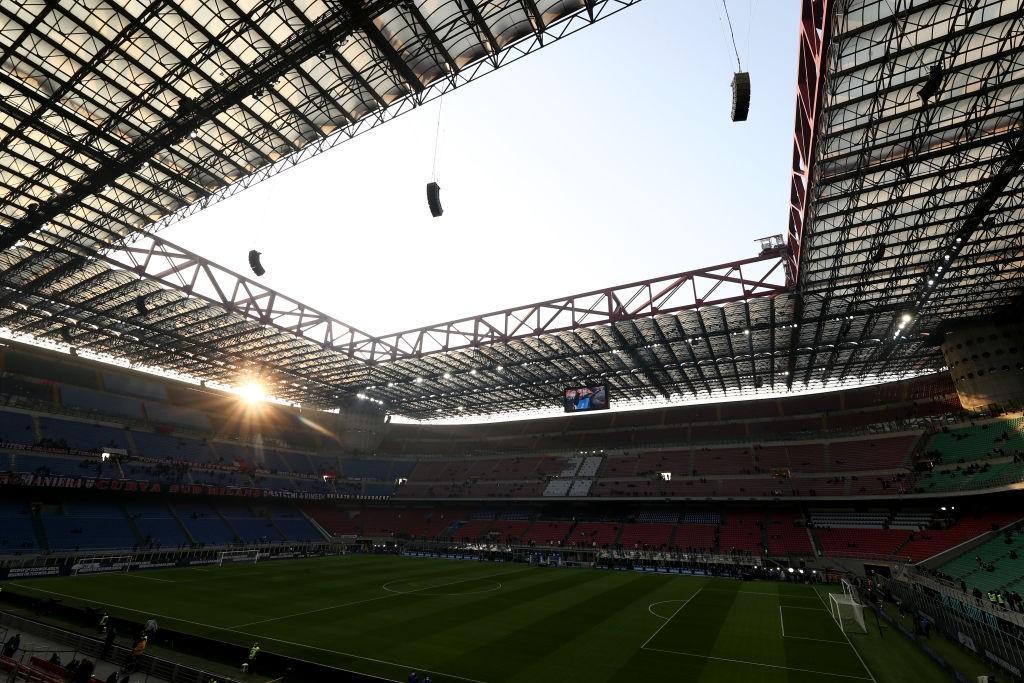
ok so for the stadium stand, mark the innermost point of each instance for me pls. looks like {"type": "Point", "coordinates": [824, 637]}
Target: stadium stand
{"type": "Point", "coordinates": [646, 535]}
{"type": "Point", "coordinates": [785, 534]}
{"type": "Point", "coordinates": [203, 523]}
{"type": "Point", "coordinates": [741, 532]}
{"type": "Point", "coordinates": [91, 526]}
{"type": "Point", "coordinates": [157, 525]}
{"type": "Point", "coordinates": [17, 533]}
{"type": "Point", "coordinates": [997, 564]}
{"type": "Point", "coordinates": [929, 542]}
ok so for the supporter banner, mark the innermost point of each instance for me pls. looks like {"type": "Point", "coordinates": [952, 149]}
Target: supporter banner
{"type": "Point", "coordinates": [85, 483]}
{"type": "Point", "coordinates": [969, 611]}
{"type": "Point", "coordinates": [28, 572]}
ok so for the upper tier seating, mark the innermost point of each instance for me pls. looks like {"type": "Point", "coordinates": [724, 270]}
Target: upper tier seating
{"type": "Point", "coordinates": [51, 465]}
{"type": "Point", "coordinates": [153, 445]}
{"type": "Point", "coordinates": [100, 402]}
{"type": "Point", "coordinates": [16, 428]}
{"type": "Point", "coordinates": [973, 476]}
{"type": "Point", "coordinates": [80, 436]}
{"type": "Point", "coordinates": [995, 438]}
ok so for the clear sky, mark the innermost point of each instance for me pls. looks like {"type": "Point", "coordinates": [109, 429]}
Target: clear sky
{"type": "Point", "coordinates": [601, 159]}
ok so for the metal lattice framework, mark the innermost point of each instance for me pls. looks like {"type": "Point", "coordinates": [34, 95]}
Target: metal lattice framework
{"type": "Point", "coordinates": [118, 119]}
{"type": "Point", "coordinates": [913, 216]}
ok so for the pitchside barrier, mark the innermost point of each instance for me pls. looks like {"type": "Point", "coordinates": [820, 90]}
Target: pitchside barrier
{"type": "Point", "coordinates": [148, 667]}
{"type": "Point", "coordinates": [996, 640]}
{"type": "Point", "coordinates": [74, 564]}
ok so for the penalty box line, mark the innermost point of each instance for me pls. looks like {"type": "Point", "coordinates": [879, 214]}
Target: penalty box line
{"type": "Point", "coordinates": [782, 623]}
{"type": "Point", "coordinates": [255, 635]}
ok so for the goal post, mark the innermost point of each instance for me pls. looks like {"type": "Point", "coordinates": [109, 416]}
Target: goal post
{"type": "Point", "coordinates": [237, 557]}
{"type": "Point", "coordinates": [102, 564]}
{"type": "Point", "coordinates": [848, 613]}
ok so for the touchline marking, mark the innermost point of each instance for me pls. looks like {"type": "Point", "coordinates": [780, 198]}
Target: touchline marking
{"type": "Point", "coordinates": [817, 640]}
{"type": "Point", "coordinates": [148, 578]}
{"type": "Point", "coordinates": [391, 594]}
{"type": "Point", "coordinates": [813, 609]}
{"type": "Point", "coordinates": [368, 659]}
{"type": "Point", "coordinates": [848, 641]}
{"type": "Point", "coordinates": [253, 635]}
{"type": "Point", "coordinates": [678, 609]}
{"type": "Point", "coordinates": [743, 661]}
{"type": "Point", "coordinates": [781, 622]}
{"type": "Point", "coordinates": [771, 595]}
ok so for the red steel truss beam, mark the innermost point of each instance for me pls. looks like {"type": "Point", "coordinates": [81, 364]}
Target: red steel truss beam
{"type": "Point", "coordinates": [168, 265]}
{"type": "Point", "coordinates": [711, 286]}
{"type": "Point", "coordinates": [815, 36]}
{"type": "Point", "coordinates": [174, 267]}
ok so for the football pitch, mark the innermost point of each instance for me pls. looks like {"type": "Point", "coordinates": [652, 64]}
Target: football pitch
{"type": "Point", "coordinates": [482, 622]}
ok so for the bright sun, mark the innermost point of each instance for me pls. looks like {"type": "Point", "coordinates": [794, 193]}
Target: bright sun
{"type": "Point", "coordinates": [252, 392]}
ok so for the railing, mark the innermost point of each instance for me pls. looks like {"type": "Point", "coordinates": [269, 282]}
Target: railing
{"type": "Point", "coordinates": [77, 646]}
{"type": "Point", "coordinates": [18, 566]}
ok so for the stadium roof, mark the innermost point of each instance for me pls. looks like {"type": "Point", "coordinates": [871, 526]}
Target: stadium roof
{"type": "Point", "coordinates": [117, 119]}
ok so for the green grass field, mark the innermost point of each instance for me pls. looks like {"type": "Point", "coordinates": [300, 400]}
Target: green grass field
{"type": "Point", "coordinates": [478, 621]}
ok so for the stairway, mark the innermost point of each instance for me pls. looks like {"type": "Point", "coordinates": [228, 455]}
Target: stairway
{"type": "Point", "coordinates": [37, 526]}
{"type": "Point", "coordinates": [181, 525]}
{"type": "Point", "coordinates": [136, 531]}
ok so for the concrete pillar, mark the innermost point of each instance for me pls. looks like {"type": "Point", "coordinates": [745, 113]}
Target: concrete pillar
{"type": "Point", "coordinates": [986, 362]}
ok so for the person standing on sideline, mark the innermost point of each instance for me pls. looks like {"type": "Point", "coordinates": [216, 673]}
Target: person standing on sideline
{"type": "Point", "coordinates": [12, 645]}
{"type": "Point", "coordinates": [108, 641]}
{"type": "Point", "coordinates": [251, 661]}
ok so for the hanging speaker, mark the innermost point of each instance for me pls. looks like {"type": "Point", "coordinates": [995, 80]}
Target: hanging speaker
{"type": "Point", "coordinates": [434, 199]}
{"type": "Point", "coordinates": [740, 96]}
{"type": "Point", "coordinates": [140, 305]}
{"type": "Point", "coordinates": [254, 263]}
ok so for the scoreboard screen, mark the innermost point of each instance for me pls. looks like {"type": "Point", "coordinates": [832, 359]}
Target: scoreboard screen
{"type": "Point", "coordinates": [583, 399]}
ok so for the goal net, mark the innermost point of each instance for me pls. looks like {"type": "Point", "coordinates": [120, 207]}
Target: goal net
{"type": "Point", "coordinates": [97, 565]}
{"type": "Point", "coordinates": [237, 557]}
{"type": "Point", "coordinates": [846, 610]}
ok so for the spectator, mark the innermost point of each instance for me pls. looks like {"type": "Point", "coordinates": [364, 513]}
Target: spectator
{"type": "Point", "coordinates": [108, 641]}
{"type": "Point", "coordinates": [83, 674]}
{"type": "Point", "coordinates": [251, 661]}
{"type": "Point", "coordinates": [12, 645]}
{"type": "Point", "coordinates": [55, 659]}
{"type": "Point", "coordinates": [137, 650]}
